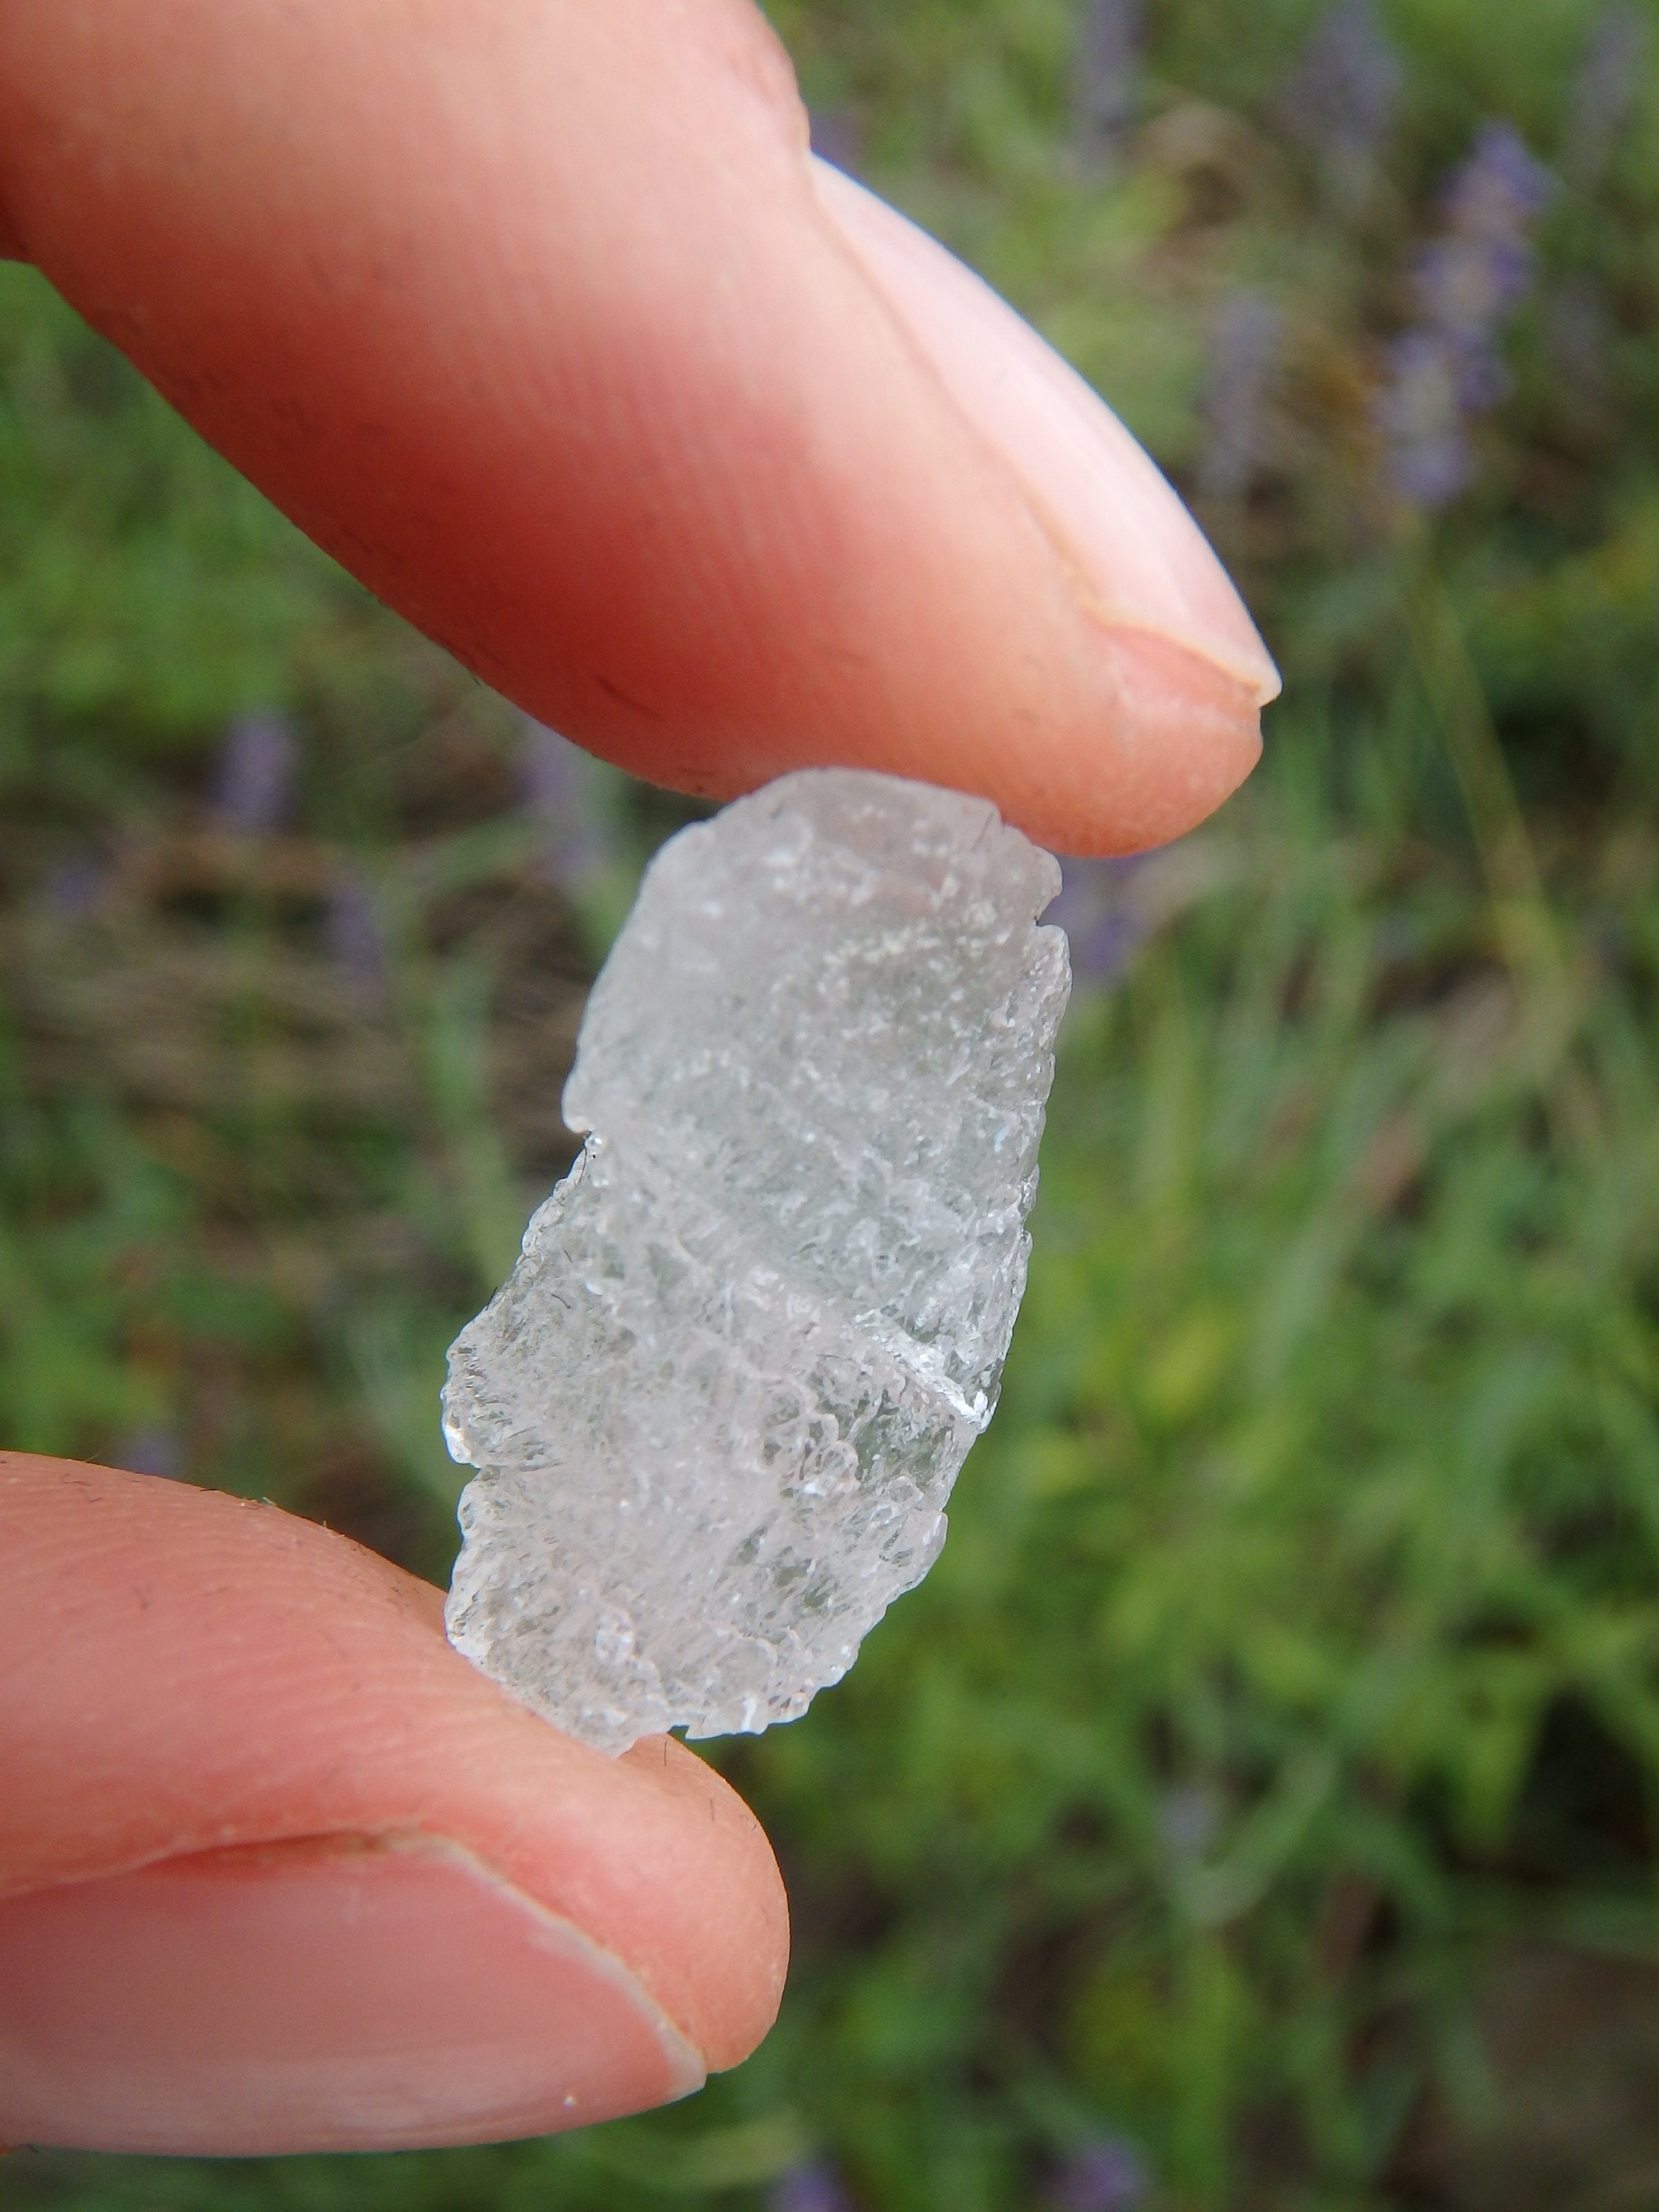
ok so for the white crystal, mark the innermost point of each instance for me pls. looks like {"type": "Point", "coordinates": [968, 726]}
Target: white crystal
{"type": "Point", "coordinates": [718, 1405]}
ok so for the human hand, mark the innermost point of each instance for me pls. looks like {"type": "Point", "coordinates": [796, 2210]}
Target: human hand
{"type": "Point", "coordinates": [537, 315]}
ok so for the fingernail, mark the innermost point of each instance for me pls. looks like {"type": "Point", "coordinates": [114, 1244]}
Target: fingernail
{"type": "Point", "coordinates": [1144, 562]}
{"type": "Point", "coordinates": [327, 1995]}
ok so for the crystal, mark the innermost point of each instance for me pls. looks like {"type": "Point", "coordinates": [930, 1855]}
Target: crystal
{"type": "Point", "coordinates": [718, 1407]}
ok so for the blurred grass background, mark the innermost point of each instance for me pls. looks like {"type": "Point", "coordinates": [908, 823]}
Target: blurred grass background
{"type": "Point", "coordinates": [1256, 1808]}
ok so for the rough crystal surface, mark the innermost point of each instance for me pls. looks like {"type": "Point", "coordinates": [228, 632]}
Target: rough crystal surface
{"type": "Point", "coordinates": [718, 1405]}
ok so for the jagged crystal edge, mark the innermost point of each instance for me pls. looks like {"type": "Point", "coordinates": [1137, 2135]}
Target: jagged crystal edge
{"type": "Point", "coordinates": [772, 1619]}
{"type": "Point", "coordinates": [720, 1403]}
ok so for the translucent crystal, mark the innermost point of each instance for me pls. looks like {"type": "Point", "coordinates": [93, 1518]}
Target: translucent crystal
{"type": "Point", "coordinates": [718, 1405]}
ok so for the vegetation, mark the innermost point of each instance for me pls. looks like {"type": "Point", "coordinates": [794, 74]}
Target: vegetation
{"type": "Point", "coordinates": [1256, 1806]}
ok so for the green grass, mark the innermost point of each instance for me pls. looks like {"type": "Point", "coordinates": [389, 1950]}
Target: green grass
{"type": "Point", "coordinates": [1284, 1714]}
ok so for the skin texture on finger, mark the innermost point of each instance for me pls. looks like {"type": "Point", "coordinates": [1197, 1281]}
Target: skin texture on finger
{"type": "Point", "coordinates": [534, 314]}
{"type": "Point", "coordinates": [190, 1674]}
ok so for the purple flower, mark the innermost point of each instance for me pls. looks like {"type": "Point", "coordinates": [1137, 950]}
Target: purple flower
{"type": "Point", "coordinates": [559, 784]}
{"type": "Point", "coordinates": [1105, 2175]}
{"type": "Point", "coordinates": [1109, 39]}
{"type": "Point", "coordinates": [253, 783]}
{"type": "Point", "coordinates": [1608, 84]}
{"type": "Point", "coordinates": [1495, 193]}
{"type": "Point", "coordinates": [1245, 346]}
{"type": "Point", "coordinates": [1421, 414]}
{"type": "Point", "coordinates": [1447, 369]}
{"type": "Point", "coordinates": [1466, 286]}
{"type": "Point", "coordinates": [814, 2188]}
{"type": "Point", "coordinates": [354, 943]}
{"type": "Point", "coordinates": [552, 769]}
{"type": "Point", "coordinates": [1104, 931]}
{"type": "Point", "coordinates": [837, 137]}
{"type": "Point", "coordinates": [159, 1451]}
{"type": "Point", "coordinates": [1342, 97]}
{"type": "Point", "coordinates": [77, 888]}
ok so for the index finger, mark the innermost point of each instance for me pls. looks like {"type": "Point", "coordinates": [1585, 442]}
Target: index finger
{"type": "Point", "coordinates": [540, 317]}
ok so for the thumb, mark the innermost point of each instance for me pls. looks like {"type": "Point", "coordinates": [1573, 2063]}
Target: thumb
{"type": "Point", "coordinates": [541, 318]}
{"type": "Point", "coordinates": [279, 1871]}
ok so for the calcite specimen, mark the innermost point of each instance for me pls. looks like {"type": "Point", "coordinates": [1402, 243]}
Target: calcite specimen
{"type": "Point", "coordinates": [718, 1405]}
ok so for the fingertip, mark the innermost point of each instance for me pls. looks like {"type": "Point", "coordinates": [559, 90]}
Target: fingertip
{"type": "Point", "coordinates": [1179, 738]}
{"type": "Point", "coordinates": [1140, 561]}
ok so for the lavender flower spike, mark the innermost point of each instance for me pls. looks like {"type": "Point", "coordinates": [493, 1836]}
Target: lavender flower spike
{"type": "Point", "coordinates": [559, 786]}
{"type": "Point", "coordinates": [1108, 70]}
{"type": "Point", "coordinates": [814, 2188]}
{"type": "Point", "coordinates": [253, 785]}
{"type": "Point", "coordinates": [1246, 342]}
{"type": "Point", "coordinates": [1106, 2175]}
{"type": "Point", "coordinates": [1604, 97]}
{"type": "Point", "coordinates": [355, 944]}
{"type": "Point", "coordinates": [1342, 98]}
{"type": "Point", "coordinates": [1422, 411]}
{"type": "Point", "coordinates": [1448, 369]}
{"type": "Point", "coordinates": [1104, 931]}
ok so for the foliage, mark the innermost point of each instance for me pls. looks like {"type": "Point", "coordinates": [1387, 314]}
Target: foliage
{"type": "Point", "coordinates": [1283, 1716]}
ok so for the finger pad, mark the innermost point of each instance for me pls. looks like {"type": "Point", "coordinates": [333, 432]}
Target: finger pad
{"type": "Point", "coordinates": [187, 1671]}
